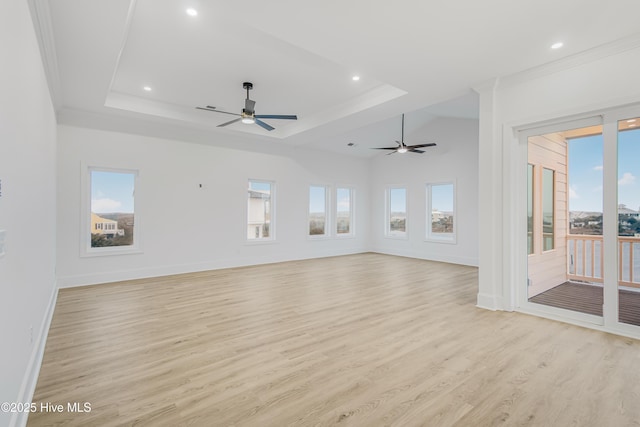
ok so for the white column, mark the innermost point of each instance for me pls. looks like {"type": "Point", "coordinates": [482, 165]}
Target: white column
{"type": "Point", "coordinates": [490, 198]}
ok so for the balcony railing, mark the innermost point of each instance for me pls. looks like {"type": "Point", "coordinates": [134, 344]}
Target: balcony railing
{"type": "Point", "coordinates": [629, 261]}
{"type": "Point", "coordinates": [585, 259]}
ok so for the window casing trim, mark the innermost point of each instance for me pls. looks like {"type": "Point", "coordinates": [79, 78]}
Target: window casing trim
{"type": "Point", "coordinates": [388, 233]}
{"type": "Point", "coordinates": [327, 212]}
{"type": "Point", "coordinates": [85, 213]}
{"type": "Point", "coordinates": [352, 216]}
{"type": "Point", "coordinates": [272, 214]}
{"type": "Point", "coordinates": [435, 237]}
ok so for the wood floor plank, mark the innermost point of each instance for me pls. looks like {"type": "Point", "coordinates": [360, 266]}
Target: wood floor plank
{"type": "Point", "coordinates": [359, 340]}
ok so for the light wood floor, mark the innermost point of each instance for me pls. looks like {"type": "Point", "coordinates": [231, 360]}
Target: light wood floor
{"type": "Point", "coordinates": [362, 340]}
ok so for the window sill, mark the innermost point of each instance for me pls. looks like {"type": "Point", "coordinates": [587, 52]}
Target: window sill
{"type": "Point", "coordinates": [451, 240]}
{"type": "Point", "coordinates": [396, 237]}
{"type": "Point", "coordinates": [258, 242]}
{"type": "Point", "coordinates": [109, 251]}
{"type": "Point", "coordinates": [319, 237]}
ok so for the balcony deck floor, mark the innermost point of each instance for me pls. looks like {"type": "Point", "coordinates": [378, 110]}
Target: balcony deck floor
{"type": "Point", "coordinates": [588, 299]}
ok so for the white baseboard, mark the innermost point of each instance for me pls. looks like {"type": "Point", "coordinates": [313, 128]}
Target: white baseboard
{"type": "Point", "coordinates": [488, 301]}
{"type": "Point", "coordinates": [30, 379]}
{"type": "Point", "coordinates": [491, 302]}
{"type": "Point", "coordinates": [470, 262]}
{"type": "Point", "coordinates": [141, 273]}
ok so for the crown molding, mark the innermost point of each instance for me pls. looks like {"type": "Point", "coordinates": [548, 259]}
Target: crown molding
{"type": "Point", "coordinates": [42, 24]}
{"type": "Point", "coordinates": [594, 54]}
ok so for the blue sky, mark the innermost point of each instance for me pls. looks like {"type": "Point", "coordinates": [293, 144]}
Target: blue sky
{"type": "Point", "coordinates": [398, 200]}
{"type": "Point", "coordinates": [585, 174]}
{"type": "Point", "coordinates": [442, 197]}
{"type": "Point", "coordinates": [112, 192]}
{"type": "Point", "coordinates": [316, 196]}
{"type": "Point", "coordinates": [260, 186]}
{"type": "Point", "coordinates": [343, 196]}
{"type": "Point", "coordinates": [317, 199]}
{"type": "Point", "coordinates": [585, 171]}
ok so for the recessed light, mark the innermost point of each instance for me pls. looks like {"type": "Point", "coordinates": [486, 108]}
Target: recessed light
{"type": "Point", "coordinates": [557, 45]}
{"type": "Point", "coordinates": [631, 120]}
{"type": "Point", "coordinates": [147, 88]}
{"type": "Point", "coordinates": [355, 78]}
{"type": "Point", "coordinates": [192, 12]}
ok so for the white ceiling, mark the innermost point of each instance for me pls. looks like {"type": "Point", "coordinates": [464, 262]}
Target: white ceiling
{"type": "Point", "coordinates": [411, 56]}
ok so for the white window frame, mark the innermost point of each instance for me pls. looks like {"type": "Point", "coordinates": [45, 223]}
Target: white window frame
{"type": "Point", "coordinates": [387, 226]}
{"type": "Point", "coordinates": [440, 237]}
{"type": "Point", "coordinates": [352, 229]}
{"type": "Point", "coordinates": [272, 208]}
{"type": "Point", "coordinates": [327, 212]}
{"type": "Point", "coordinates": [85, 215]}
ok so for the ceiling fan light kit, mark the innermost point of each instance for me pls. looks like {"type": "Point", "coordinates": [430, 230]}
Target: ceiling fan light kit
{"type": "Point", "coordinates": [248, 115]}
{"type": "Point", "coordinates": [403, 148]}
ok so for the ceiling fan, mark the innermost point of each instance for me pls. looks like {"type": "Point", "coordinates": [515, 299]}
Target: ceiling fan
{"type": "Point", "coordinates": [248, 115]}
{"type": "Point", "coordinates": [403, 148]}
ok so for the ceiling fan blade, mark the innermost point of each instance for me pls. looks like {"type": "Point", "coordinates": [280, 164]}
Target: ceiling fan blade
{"type": "Point", "coordinates": [385, 148]}
{"type": "Point", "coordinates": [249, 105]}
{"type": "Point", "coordinates": [400, 144]}
{"type": "Point", "coordinates": [263, 124]}
{"type": "Point", "coordinates": [213, 109]}
{"type": "Point", "coordinates": [393, 152]}
{"type": "Point", "coordinates": [228, 123]}
{"type": "Point", "coordinates": [431, 144]}
{"type": "Point", "coordinates": [276, 116]}
{"type": "Point", "coordinates": [413, 150]}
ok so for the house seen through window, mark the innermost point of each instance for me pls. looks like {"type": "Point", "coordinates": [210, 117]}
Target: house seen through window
{"type": "Point", "coordinates": [396, 212]}
{"type": "Point", "coordinates": [112, 208]}
{"type": "Point", "coordinates": [260, 210]}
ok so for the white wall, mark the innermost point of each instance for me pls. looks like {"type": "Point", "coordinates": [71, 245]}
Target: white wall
{"type": "Point", "coordinates": [455, 158]}
{"type": "Point", "coordinates": [600, 82]}
{"type": "Point", "coordinates": [188, 228]}
{"type": "Point", "coordinates": [27, 205]}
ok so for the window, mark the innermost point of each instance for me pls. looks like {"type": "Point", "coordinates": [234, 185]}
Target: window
{"type": "Point", "coordinates": [547, 209]}
{"type": "Point", "coordinates": [260, 225]}
{"type": "Point", "coordinates": [396, 212]}
{"type": "Point", "coordinates": [441, 223]}
{"type": "Point", "coordinates": [110, 223]}
{"type": "Point", "coordinates": [344, 212]}
{"type": "Point", "coordinates": [318, 211]}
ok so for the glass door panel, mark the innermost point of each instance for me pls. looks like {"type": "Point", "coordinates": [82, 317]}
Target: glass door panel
{"type": "Point", "coordinates": [564, 224]}
{"type": "Point", "coordinates": [629, 221]}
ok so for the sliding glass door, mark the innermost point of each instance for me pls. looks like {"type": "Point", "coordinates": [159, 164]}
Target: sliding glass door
{"type": "Point", "coordinates": [582, 214]}
{"type": "Point", "coordinates": [629, 220]}
{"type": "Point", "coordinates": [564, 220]}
